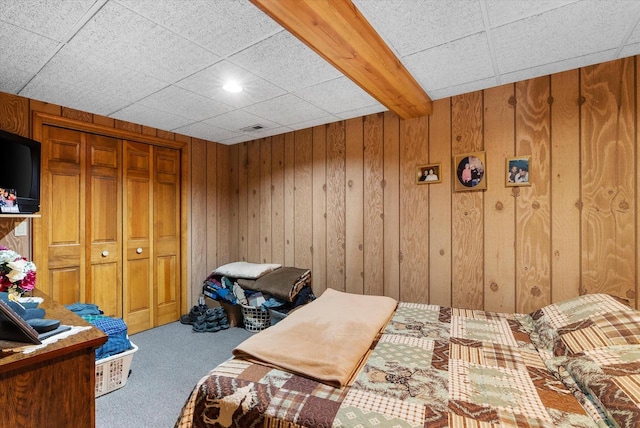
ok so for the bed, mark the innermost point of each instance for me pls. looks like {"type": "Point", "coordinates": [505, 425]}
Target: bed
{"type": "Point", "coordinates": [569, 364]}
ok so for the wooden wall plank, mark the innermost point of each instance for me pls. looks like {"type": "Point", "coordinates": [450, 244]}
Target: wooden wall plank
{"type": "Point", "coordinates": [319, 262]}
{"type": "Point", "coordinates": [467, 219]}
{"type": "Point", "coordinates": [265, 200]}
{"type": "Point", "coordinates": [440, 205]}
{"type": "Point", "coordinates": [289, 210]}
{"type": "Point", "coordinates": [233, 172]}
{"type": "Point", "coordinates": [565, 186]}
{"type": "Point", "coordinates": [414, 212]}
{"type": "Point", "coordinates": [499, 263]}
{"type": "Point", "coordinates": [14, 114]}
{"type": "Point", "coordinates": [373, 164]}
{"type": "Point", "coordinates": [533, 243]}
{"type": "Point", "coordinates": [608, 193]}
{"type": "Point", "coordinates": [336, 140]}
{"type": "Point", "coordinates": [225, 198]}
{"type": "Point", "coordinates": [354, 203]}
{"type": "Point", "coordinates": [243, 202]}
{"type": "Point", "coordinates": [277, 199]}
{"type": "Point", "coordinates": [303, 198]}
{"type": "Point", "coordinates": [253, 201]}
{"type": "Point", "coordinates": [199, 197]}
{"type": "Point", "coordinates": [391, 188]}
{"type": "Point", "coordinates": [211, 209]}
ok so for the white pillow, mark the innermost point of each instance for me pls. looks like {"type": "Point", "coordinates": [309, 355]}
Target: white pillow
{"type": "Point", "coordinates": [246, 270]}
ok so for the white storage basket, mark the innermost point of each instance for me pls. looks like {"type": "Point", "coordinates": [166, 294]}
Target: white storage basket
{"type": "Point", "coordinates": [255, 319]}
{"type": "Point", "coordinates": [112, 372]}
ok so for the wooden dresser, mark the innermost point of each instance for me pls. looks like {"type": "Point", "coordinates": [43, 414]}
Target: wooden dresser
{"type": "Point", "coordinates": [53, 387]}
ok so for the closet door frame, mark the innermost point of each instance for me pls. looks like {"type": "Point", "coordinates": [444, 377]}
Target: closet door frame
{"type": "Point", "coordinates": [39, 244]}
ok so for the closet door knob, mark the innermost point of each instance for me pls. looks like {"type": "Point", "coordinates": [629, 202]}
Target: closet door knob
{"type": "Point", "coordinates": [139, 250]}
{"type": "Point", "coordinates": [105, 253]}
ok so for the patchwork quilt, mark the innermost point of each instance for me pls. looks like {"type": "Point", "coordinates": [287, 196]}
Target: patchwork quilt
{"type": "Point", "coordinates": [435, 366]}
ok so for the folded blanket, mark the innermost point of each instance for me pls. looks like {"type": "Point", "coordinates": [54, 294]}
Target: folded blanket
{"type": "Point", "coordinates": [326, 340]}
{"type": "Point", "coordinates": [283, 283]}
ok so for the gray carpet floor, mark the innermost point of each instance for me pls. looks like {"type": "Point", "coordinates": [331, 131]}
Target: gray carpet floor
{"type": "Point", "coordinates": [169, 362]}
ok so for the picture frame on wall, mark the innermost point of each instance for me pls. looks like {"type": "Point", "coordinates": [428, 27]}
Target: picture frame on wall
{"type": "Point", "coordinates": [518, 171]}
{"type": "Point", "coordinates": [429, 174]}
{"type": "Point", "coordinates": [470, 172]}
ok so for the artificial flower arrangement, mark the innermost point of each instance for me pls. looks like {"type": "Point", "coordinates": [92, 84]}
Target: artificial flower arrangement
{"type": "Point", "coordinates": [17, 274]}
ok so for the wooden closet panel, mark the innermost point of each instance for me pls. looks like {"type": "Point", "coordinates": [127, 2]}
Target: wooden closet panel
{"type": "Point", "coordinates": [138, 236]}
{"type": "Point", "coordinates": [608, 179]}
{"type": "Point", "coordinates": [104, 221]}
{"type": "Point", "coordinates": [499, 263]}
{"type": "Point", "coordinates": [467, 207]}
{"type": "Point", "coordinates": [166, 244]}
{"type": "Point", "coordinates": [64, 228]}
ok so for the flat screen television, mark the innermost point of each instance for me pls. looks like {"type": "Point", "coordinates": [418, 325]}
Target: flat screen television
{"type": "Point", "coordinates": [19, 174]}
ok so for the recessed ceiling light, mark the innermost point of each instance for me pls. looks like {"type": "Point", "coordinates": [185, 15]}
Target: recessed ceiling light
{"type": "Point", "coordinates": [232, 87]}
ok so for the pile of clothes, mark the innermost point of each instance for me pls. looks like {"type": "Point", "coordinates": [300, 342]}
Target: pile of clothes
{"type": "Point", "coordinates": [115, 329]}
{"type": "Point", "coordinates": [278, 288]}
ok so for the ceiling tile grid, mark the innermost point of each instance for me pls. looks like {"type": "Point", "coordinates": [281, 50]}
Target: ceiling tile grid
{"type": "Point", "coordinates": [162, 63]}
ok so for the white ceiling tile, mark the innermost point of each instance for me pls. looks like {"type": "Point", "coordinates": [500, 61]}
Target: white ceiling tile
{"type": "Point", "coordinates": [475, 85]}
{"type": "Point", "coordinates": [209, 81]}
{"type": "Point", "coordinates": [503, 12]}
{"type": "Point", "coordinates": [221, 26]}
{"type": "Point", "coordinates": [323, 120]}
{"type": "Point", "coordinates": [337, 95]}
{"type": "Point", "coordinates": [96, 74]}
{"type": "Point", "coordinates": [52, 18]}
{"type": "Point", "coordinates": [70, 96]}
{"type": "Point", "coordinates": [238, 119]}
{"type": "Point", "coordinates": [23, 49]}
{"type": "Point", "coordinates": [564, 32]}
{"type": "Point", "coordinates": [145, 115]}
{"type": "Point", "coordinates": [410, 26]}
{"type": "Point", "coordinates": [286, 110]}
{"type": "Point", "coordinates": [286, 62]}
{"type": "Point", "coordinates": [206, 131]}
{"type": "Point", "coordinates": [12, 79]}
{"type": "Point", "coordinates": [175, 100]}
{"type": "Point", "coordinates": [452, 64]}
{"type": "Point", "coordinates": [630, 50]}
{"type": "Point", "coordinates": [362, 111]}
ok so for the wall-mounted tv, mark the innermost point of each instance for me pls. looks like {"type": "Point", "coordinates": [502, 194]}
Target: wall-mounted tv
{"type": "Point", "coordinates": [19, 174]}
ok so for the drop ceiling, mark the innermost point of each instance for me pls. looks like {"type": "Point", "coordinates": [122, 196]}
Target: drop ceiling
{"type": "Point", "coordinates": [162, 63]}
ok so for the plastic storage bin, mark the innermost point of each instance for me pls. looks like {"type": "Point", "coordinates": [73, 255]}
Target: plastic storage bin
{"type": "Point", "coordinates": [112, 372]}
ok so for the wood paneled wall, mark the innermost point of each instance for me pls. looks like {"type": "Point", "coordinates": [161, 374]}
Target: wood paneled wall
{"type": "Point", "coordinates": [342, 198]}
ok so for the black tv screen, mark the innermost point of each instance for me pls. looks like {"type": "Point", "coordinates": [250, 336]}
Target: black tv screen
{"type": "Point", "coordinates": [19, 174]}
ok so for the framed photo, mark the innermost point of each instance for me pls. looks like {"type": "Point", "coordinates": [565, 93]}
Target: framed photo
{"type": "Point", "coordinates": [470, 172]}
{"type": "Point", "coordinates": [428, 174]}
{"type": "Point", "coordinates": [518, 171]}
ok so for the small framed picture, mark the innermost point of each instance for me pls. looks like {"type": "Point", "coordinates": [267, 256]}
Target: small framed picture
{"type": "Point", "coordinates": [470, 172]}
{"type": "Point", "coordinates": [428, 174]}
{"type": "Point", "coordinates": [518, 171]}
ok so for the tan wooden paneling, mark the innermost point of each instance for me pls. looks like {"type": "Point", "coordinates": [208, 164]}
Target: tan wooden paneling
{"type": "Point", "coordinates": [289, 199]}
{"type": "Point", "coordinates": [391, 187]}
{"type": "Point", "coordinates": [202, 206]}
{"type": "Point", "coordinates": [319, 259]}
{"type": "Point", "coordinates": [373, 208]}
{"type": "Point", "coordinates": [336, 141]}
{"type": "Point", "coordinates": [253, 201]}
{"type": "Point", "coordinates": [243, 202]}
{"type": "Point", "coordinates": [414, 212]}
{"type": "Point", "coordinates": [565, 186]}
{"type": "Point", "coordinates": [608, 184]}
{"type": "Point", "coordinates": [467, 219]}
{"type": "Point", "coordinates": [303, 198]}
{"type": "Point", "coordinates": [533, 243]}
{"type": "Point", "coordinates": [210, 234]}
{"type": "Point", "coordinates": [265, 200]}
{"type": "Point", "coordinates": [277, 199]}
{"type": "Point", "coordinates": [354, 204]}
{"type": "Point", "coordinates": [226, 198]}
{"type": "Point", "coordinates": [440, 205]}
{"type": "Point", "coordinates": [14, 114]}
{"type": "Point", "coordinates": [499, 208]}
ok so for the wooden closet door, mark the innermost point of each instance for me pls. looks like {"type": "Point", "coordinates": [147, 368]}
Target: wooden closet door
{"type": "Point", "coordinates": [138, 236]}
{"type": "Point", "coordinates": [104, 224]}
{"type": "Point", "coordinates": [166, 246]}
{"type": "Point", "coordinates": [60, 253]}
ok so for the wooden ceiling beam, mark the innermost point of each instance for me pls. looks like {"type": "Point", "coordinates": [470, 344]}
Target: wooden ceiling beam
{"type": "Point", "coordinates": [338, 32]}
